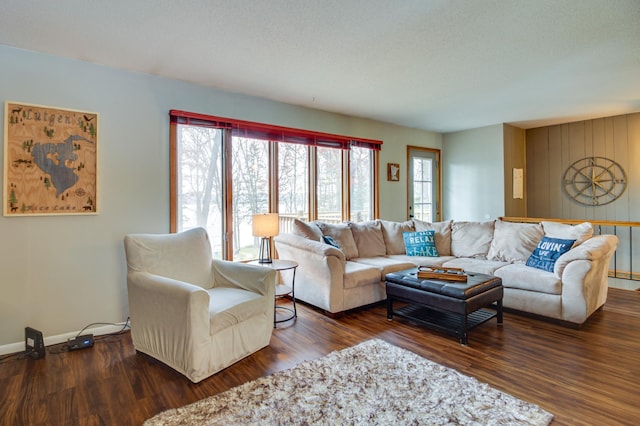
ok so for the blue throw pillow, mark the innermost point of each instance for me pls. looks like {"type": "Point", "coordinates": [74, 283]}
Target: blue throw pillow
{"type": "Point", "coordinates": [329, 240]}
{"type": "Point", "coordinates": [548, 251]}
{"type": "Point", "coordinates": [421, 243]}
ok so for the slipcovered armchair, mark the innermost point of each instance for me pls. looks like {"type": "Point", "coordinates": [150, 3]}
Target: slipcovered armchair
{"type": "Point", "coordinates": [196, 314]}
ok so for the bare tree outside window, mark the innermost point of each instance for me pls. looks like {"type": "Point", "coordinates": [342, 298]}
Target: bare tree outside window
{"type": "Point", "coordinates": [250, 174]}
{"type": "Point", "coordinates": [293, 184]}
{"type": "Point", "coordinates": [361, 177]}
{"type": "Point", "coordinates": [329, 188]}
{"type": "Point", "coordinates": [200, 182]}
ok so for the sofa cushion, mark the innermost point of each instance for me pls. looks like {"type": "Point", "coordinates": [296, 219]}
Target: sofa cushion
{"type": "Point", "coordinates": [443, 234]}
{"type": "Point", "coordinates": [471, 239]}
{"type": "Point", "coordinates": [231, 306]}
{"type": "Point", "coordinates": [385, 265]}
{"type": "Point", "coordinates": [470, 265]}
{"type": "Point", "coordinates": [420, 243]}
{"type": "Point", "coordinates": [307, 230]}
{"type": "Point", "coordinates": [548, 251]}
{"type": "Point", "coordinates": [341, 233]}
{"type": "Point", "coordinates": [517, 275]}
{"type": "Point", "coordinates": [392, 234]}
{"type": "Point", "coordinates": [360, 274]}
{"type": "Point", "coordinates": [368, 238]}
{"type": "Point", "coordinates": [514, 242]}
{"type": "Point", "coordinates": [421, 260]}
{"type": "Point", "coordinates": [580, 232]}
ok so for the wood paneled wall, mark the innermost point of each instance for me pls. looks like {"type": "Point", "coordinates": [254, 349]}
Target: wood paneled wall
{"type": "Point", "coordinates": [550, 150]}
{"type": "Point", "coordinates": [514, 157]}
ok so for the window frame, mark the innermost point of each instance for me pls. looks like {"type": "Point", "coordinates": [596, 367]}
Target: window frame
{"type": "Point", "coordinates": [275, 135]}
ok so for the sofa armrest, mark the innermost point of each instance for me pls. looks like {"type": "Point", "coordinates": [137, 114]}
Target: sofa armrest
{"type": "Point", "coordinates": [592, 249]}
{"type": "Point", "coordinates": [584, 272]}
{"type": "Point", "coordinates": [320, 273]}
{"type": "Point", "coordinates": [175, 310]}
{"type": "Point", "coordinates": [314, 248]}
{"type": "Point", "coordinates": [254, 278]}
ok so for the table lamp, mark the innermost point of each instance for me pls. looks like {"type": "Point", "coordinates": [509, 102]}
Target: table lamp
{"type": "Point", "coordinates": [265, 226]}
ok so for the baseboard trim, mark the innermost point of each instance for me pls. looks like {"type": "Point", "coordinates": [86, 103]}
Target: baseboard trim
{"type": "Point", "coordinates": [12, 348]}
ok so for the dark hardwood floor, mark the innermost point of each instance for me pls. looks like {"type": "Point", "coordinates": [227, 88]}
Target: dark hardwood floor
{"type": "Point", "coordinates": [589, 376]}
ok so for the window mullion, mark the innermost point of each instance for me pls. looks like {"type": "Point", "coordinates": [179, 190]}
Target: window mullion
{"type": "Point", "coordinates": [376, 184]}
{"type": "Point", "coordinates": [346, 185]}
{"type": "Point", "coordinates": [174, 180]}
{"type": "Point", "coordinates": [313, 183]}
{"type": "Point", "coordinates": [227, 194]}
{"type": "Point", "coordinates": [273, 177]}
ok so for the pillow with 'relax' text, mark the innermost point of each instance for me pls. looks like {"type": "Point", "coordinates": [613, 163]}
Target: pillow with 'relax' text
{"type": "Point", "coordinates": [420, 243]}
{"type": "Point", "coordinates": [547, 252]}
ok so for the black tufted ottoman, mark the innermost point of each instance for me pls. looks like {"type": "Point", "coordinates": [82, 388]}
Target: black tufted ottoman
{"type": "Point", "coordinates": [453, 307]}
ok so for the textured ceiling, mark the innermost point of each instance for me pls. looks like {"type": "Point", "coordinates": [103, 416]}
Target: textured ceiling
{"type": "Point", "coordinates": [442, 65]}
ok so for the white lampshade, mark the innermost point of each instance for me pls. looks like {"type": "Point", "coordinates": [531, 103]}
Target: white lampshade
{"type": "Point", "coordinates": [265, 225]}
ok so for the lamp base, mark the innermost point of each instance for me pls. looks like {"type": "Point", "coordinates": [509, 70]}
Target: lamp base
{"type": "Point", "coordinates": [265, 250]}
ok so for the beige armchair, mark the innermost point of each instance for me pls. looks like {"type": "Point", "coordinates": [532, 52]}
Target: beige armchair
{"type": "Point", "coordinates": [194, 313]}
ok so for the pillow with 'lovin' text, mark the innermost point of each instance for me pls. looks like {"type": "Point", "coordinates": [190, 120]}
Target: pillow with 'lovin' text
{"type": "Point", "coordinates": [547, 252]}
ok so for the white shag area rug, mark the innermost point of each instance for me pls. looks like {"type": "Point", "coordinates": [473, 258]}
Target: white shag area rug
{"type": "Point", "coordinates": [373, 383]}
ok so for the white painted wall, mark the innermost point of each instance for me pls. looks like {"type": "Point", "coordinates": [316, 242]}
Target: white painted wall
{"type": "Point", "coordinates": [473, 174]}
{"type": "Point", "coordinates": [60, 273]}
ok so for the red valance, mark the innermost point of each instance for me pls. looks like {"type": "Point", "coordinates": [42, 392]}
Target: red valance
{"type": "Point", "coordinates": [249, 129]}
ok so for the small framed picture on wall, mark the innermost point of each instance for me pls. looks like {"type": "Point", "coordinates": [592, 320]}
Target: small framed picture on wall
{"type": "Point", "coordinates": [393, 172]}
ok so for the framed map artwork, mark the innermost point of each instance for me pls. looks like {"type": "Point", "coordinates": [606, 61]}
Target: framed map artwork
{"type": "Point", "coordinates": [50, 161]}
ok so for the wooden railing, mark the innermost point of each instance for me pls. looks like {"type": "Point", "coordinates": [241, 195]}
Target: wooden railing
{"type": "Point", "coordinates": [622, 264]}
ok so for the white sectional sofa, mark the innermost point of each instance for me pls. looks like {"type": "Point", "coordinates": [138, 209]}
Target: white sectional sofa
{"type": "Point", "coordinates": [351, 275]}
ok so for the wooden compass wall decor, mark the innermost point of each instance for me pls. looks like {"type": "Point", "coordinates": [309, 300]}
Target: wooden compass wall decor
{"type": "Point", "coordinates": [594, 181]}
